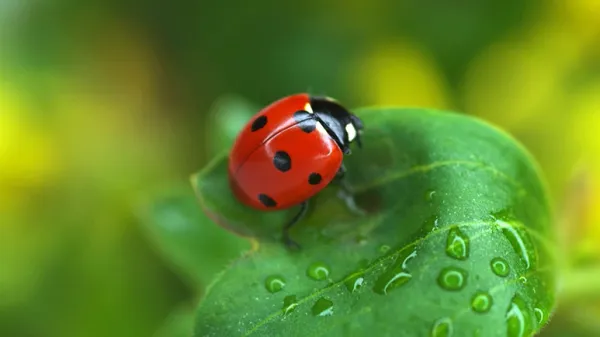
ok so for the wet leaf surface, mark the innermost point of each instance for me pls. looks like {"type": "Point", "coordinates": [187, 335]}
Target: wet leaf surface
{"type": "Point", "coordinates": [457, 241]}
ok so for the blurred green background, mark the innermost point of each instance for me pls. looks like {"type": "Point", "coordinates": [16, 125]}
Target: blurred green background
{"type": "Point", "coordinates": [104, 101]}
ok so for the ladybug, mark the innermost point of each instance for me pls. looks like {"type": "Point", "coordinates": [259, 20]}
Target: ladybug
{"type": "Point", "coordinates": [289, 151]}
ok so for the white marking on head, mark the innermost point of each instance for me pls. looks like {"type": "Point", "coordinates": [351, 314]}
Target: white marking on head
{"type": "Point", "coordinates": [351, 131]}
{"type": "Point", "coordinates": [321, 128]}
{"type": "Point", "coordinates": [308, 108]}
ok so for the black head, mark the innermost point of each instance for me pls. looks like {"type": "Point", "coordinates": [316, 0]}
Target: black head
{"type": "Point", "coordinates": [343, 126]}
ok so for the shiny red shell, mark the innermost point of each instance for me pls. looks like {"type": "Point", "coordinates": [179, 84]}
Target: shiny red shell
{"type": "Point", "coordinates": [282, 156]}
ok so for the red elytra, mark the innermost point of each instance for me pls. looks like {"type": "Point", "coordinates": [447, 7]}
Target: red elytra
{"type": "Point", "coordinates": [291, 150]}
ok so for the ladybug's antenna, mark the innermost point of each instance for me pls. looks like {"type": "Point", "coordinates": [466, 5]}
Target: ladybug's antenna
{"type": "Point", "coordinates": [359, 126]}
{"type": "Point", "coordinates": [358, 140]}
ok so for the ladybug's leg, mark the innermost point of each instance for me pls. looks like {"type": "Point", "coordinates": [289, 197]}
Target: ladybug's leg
{"type": "Point", "coordinates": [341, 173]}
{"type": "Point", "coordinates": [286, 235]}
{"type": "Point", "coordinates": [345, 192]}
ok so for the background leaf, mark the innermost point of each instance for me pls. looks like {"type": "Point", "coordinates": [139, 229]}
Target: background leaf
{"type": "Point", "coordinates": [187, 238]}
{"type": "Point", "coordinates": [180, 323]}
{"type": "Point", "coordinates": [226, 118]}
{"type": "Point", "coordinates": [172, 218]}
{"type": "Point", "coordinates": [457, 241]}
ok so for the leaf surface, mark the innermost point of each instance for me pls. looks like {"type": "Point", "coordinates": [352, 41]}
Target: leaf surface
{"type": "Point", "coordinates": [457, 241]}
{"type": "Point", "coordinates": [179, 323]}
{"type": "Point", "coordinates": [187, 238]}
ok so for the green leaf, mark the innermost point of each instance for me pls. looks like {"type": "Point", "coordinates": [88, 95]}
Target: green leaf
{"type": "Point", "coordinates": [226, 118]}
{"type": "Point", "coordinates": [457, 241]}
{"type": "Point", "coordinates": [173, 220]}
{"type": "Point", "coordinates": [186, 237]}
{"type": "Point", "coordinates": [180, 323]}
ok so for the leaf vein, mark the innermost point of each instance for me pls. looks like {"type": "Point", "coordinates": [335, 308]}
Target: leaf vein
{"type": "Point", "coordinates": [372, 267]}
{"type": "Point", "coordinates": [388, 178]}
{"type": "Point", "coordinates": [377, 264]}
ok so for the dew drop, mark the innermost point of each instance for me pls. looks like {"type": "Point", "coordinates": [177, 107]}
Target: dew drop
{"type": "Point", "coordinates": [396, 275]}
{"type": "Point", "coordinates": [452, 278]}
{"type": "Point", "coordinates": [354, 283]}
{"type": "Point", "coordinates": [539, 314]}
{"type": "Point", "coordinates": [500, 266]}
{"type": "Point", "coordinates": [361, 240]}
{"type": "Point", "coordinates": [384, 249]}
{"type": "Point", "coordinates": [519, 240]}
{"type": "Point", "coordinates": [481, 302]}
{"type": "Point", "coordinates": [322, 307]}
{"type": "Point", "coordinates": [430, 224]}
{"type": "Point", "coordinates": [429, 195]}
{"type": "Point", "coordinates": [523, 279]}
{"type": "Point", "coordinates": [318, 271]}
{"type": "Point", "coordinates": [274, 283]}
{"type": "Point", "coordinates": [457, 244]}
{"type": "Point", "coordinates": [502, 214]}
{"type": "Point", "coordinates": [289, 304]}
{"type": "Point", "coordinates": [442, 328]}
{"type": "Point", "coordinates": [518, 318]}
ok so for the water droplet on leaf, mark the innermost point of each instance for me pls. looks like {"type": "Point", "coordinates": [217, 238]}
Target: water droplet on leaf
{"type": "Point", "coordinates": [323, 307]}
{"type": "Point", "coordinates": [289, 304]}
{"type": "Point", "coordinates": [429, 225]}
{"type": "Point", "coordinates": [457, 244]}
{"type": "Point", "coordinates": [442, 328]}
{"type": "Point", "coordinates": [518, 318]}
{"type": "Point", "coordinates": [481, 302]}
{"type": "Point", "coordinates": [429, 195]}
{"type": "Point", "coordinates": [519, 240]}
{"type": "Point", "coordinates": [500, 266]}
{"type": "Point", "coordinates": [452, 278]}
{"type": "Point", "coordinates": [274, 283]}
{"type": "Point", "coordinates": [539, 314]}
{"type": "Point", "coordinates": [384, 249]}
{"type": "Point", "coordinates": [354, 283]}
{"type": "Point", "coordinates": [523, 279]}
{"type": "Point", "coordinates": [318, 271]}
{"type": "Point", "coordinates": [396, 275]}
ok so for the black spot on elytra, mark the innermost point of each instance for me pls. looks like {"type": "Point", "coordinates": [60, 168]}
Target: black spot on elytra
{"type": "Point", "coordinates": [282, 161]}
{"type": "Point", "coordinates": [305, 120]}
{"type": "Point", "coordinates": [267, 200]}
{"type": "Point", "coordinates": [259, 123]}
{"type": "Point", "coordinates": [314, 178]}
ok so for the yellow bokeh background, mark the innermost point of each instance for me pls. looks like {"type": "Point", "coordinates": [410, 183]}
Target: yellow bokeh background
{"type": "Point", "coordinates": [100, 117]}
